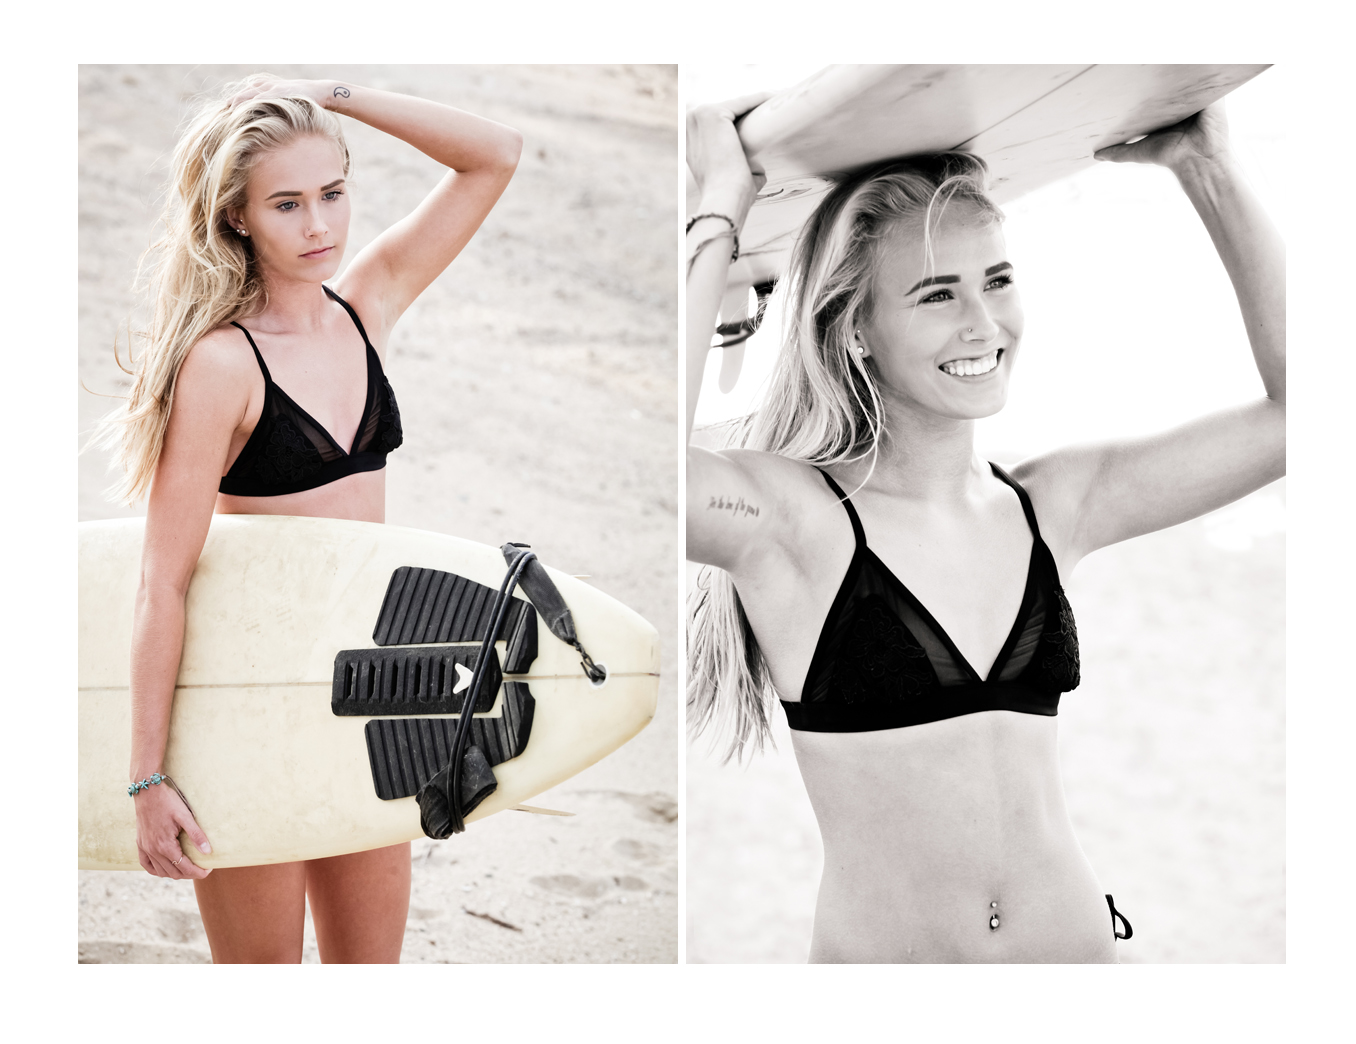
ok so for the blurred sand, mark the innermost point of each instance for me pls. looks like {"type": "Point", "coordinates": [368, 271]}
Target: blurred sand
{"type": "Point", "coordinates": [1172, 749]}
{"type": "Point", "coordinates": [536, 381]}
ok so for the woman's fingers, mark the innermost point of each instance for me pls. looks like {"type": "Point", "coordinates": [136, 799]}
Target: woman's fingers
{"type": "Point", "coordinates": [745, 103]}
{"type": "Point", "coordinates": [1201, 136]}
{"type": "Point", "coordinates": [161, 816]}
{"type": "Point", "coordinates": [190, 827]}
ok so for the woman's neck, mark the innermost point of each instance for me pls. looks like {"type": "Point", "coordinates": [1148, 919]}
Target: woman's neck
{"type": "Point", "coordinates": [922, 456]}
{"type": "Point", "coordinates": [294, 306]}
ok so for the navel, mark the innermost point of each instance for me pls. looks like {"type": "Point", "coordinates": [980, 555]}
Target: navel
{"type": "Point", "coordinates": [993, 916]}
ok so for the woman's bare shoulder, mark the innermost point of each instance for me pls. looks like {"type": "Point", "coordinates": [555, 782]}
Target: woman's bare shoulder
{"type": "Point", "coordinates": [223, 354]}
{"type": "Point", "coordinates": [1057, 483]}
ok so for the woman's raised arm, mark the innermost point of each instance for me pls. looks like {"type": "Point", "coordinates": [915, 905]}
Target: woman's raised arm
{"type": "Point", "coordinates": [1118, 490]}
{"type": "Point", "coordinates": [481, 155]}
{"type": "Point", "coordinates": [717, 534]}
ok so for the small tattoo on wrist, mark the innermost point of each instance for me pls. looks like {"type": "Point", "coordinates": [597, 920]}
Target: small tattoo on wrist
{"type": "Point", "coordinates": [736, 507]}
{"type": "Point", "coordinates": [341, 92]}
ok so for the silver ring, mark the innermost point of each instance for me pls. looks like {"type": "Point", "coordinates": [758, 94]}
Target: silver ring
{"type": "Point", "coordinates": [176, 862]}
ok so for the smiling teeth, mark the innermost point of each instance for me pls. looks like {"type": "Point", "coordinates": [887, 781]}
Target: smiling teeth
{"type": "Point", "coordinates": [971, 367]}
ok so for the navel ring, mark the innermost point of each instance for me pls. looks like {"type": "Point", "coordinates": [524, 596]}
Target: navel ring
{"type": "Point", "coordinates": [993, 917]}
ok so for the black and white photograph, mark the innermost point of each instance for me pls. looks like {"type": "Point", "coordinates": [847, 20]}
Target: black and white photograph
{"type": "Point", "coordinates": [986, 412]}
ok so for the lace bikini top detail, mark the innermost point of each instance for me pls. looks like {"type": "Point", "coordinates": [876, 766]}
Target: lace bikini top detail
{"type": "Point", "coordinates": [290, 451]}
{"type": "Point", "coordinates": [883, 662]}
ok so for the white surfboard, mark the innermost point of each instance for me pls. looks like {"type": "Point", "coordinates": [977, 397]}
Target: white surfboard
{"type": "Point", "coordinates": [324, 663]}
{"type": "Point", "coordinates": [1033, 124]}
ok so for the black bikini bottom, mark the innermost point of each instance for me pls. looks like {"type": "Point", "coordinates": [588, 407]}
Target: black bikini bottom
{"type": "Point", "coordinates": [1115, 914]}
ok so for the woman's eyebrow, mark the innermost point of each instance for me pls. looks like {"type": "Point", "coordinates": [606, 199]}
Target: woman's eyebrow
{"type": "Point", "coordinates": [295, 192]}
{"type": "Point", "coordinates": [931, 281]}
{"type": "Point", "coordinates": [1002, 266]}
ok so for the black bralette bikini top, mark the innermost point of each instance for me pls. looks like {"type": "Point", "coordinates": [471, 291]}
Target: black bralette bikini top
{"type": "Point", "coordinates": [883, 662]}
{"type": "Point", "coordinates": [290, 451]}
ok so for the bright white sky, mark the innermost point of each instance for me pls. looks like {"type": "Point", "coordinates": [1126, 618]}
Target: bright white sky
{"type": "Point", "coordinates": [1131, 323]}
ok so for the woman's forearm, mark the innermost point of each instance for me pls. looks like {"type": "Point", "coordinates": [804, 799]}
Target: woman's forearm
{"type": "Point", "coordinates": [707, 273]}
{"type": "Point", "coordinates": [157, 646]}
{"type": "Point", "coordinates": [705, 285]}
{"type": "Point", "coordinates": [456, 139]}
{"type": "Point", "coordinates": [1253, 254]}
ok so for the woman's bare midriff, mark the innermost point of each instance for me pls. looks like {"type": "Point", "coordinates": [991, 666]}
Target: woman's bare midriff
{"type": "Point", "coordinates": [925, 827]}
{"type": "Point", "coordinates": [360, 498]}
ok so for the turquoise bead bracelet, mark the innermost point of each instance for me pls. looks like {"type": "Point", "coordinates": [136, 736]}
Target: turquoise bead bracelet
{"type": "Point", "coordinates": [155, 778]}
{"type": "Point", "coordinates": [159, 777]}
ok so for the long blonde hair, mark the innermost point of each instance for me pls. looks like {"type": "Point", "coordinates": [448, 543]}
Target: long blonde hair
{"type": "Point", "coordinates": [202, 272]}
{"type": "Point", "coordinates": [822, 406]}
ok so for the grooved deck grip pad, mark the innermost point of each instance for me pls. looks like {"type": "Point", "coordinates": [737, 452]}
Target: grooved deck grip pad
{"type": "Point", "coordinates": [410, 681]}
{"type": "Point", "coordinates": [428, 606]}
{"type": "Point", "coordinates": [405, 753]}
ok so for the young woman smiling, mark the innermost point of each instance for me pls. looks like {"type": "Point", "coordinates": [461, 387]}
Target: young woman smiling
{"type": "Point", "coordinates": [903, 597]}
{"type": "Point", "coordinates": [260, 390]}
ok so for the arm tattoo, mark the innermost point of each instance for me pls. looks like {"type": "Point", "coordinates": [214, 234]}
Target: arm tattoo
{"type": "Point", "coordinates": [341, 92]}
{"type": "Point", "coordinates": [738, 508]}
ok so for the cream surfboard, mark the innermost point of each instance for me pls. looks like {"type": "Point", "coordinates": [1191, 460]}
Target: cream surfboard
{"type": "Point", "coordinates": [1033, 124]}
{"type": "Point", "coordinates": [324, 668]}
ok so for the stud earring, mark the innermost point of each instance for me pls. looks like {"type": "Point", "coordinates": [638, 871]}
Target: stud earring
{"type": "Point", "coordinates": [861, 350]}
{"type": "Point", "coordinates": [242, 231]}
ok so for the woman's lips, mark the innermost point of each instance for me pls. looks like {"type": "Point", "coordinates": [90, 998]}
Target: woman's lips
{"type": "Point", "coordinates": [318, 253]}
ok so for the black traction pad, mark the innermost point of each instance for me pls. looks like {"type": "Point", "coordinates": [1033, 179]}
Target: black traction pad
{"type": "Point", "coordinates": [428, 606]}
{"type": "Point", "coordinates": [409, 681]}
{"type": "Point", "coordinates": [405, 753]}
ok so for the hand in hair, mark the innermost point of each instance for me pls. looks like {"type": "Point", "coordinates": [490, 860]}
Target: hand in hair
{"type": "Point", "coordinates": [1202, 138]}
{"type": "Point", "coordinates": [264, 86]}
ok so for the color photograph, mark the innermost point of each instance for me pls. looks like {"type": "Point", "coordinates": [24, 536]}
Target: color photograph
{"type": "Point", "coordinates": [378, 622]}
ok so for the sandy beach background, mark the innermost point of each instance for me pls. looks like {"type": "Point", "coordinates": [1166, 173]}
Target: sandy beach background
{"type": "Point", "coordinates": [537, 385]}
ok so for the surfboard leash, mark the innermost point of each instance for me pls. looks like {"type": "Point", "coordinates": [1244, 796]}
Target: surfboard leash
{"type": "Point", "coordinates": [443, 803]}
{"type": "Point", "coordinates": [544, 595]}
{"type": "Point", "coordinates": [446, 799]}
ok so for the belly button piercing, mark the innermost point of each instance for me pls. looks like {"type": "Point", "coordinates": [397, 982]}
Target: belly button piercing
{"type": "Point", "coordinates": [993, 917]}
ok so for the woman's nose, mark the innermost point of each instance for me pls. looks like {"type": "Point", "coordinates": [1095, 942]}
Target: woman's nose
{"type": "Point", "coordinates": [979, 324]}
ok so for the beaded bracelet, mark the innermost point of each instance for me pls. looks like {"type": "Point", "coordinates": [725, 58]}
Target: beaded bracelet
{"type": "Point", "coordinates": [152, 780]}
{"type": "Point", "coordinates": [734, 232]}
{"type": "Point", "coordinates": [145, 784]}
{"type": "Point", "coordinates": [693, 220]}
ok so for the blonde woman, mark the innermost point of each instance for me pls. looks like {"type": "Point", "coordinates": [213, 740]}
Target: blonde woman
{"type": "Point", "coordinates": [260, 390]}
{"type": "Point", "coordinates": [903, 597]}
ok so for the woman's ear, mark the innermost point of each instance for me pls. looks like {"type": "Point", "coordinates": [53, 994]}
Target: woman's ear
{"type": "Point", "coordinates": [859, 345]}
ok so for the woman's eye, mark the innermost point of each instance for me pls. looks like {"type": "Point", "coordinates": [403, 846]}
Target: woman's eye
{"type": "Point", "coordinates": [332, 195]}
{"type": "Point", "coordinates": [999, 282]}
{"type": "Point", "coordinates": [936, 296]}
{"type": "Point", "coordinates": [286, 205]}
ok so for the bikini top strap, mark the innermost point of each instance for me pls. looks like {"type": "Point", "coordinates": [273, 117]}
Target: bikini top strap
{"type": "Point", "coordinates": [857, 530]}
{"type": "Point", "coordinates": [351, 314]}
{"type": "Point", "coordinates": [1022, 496]}
{"type": "Point", "coordinates": [267, 378]}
